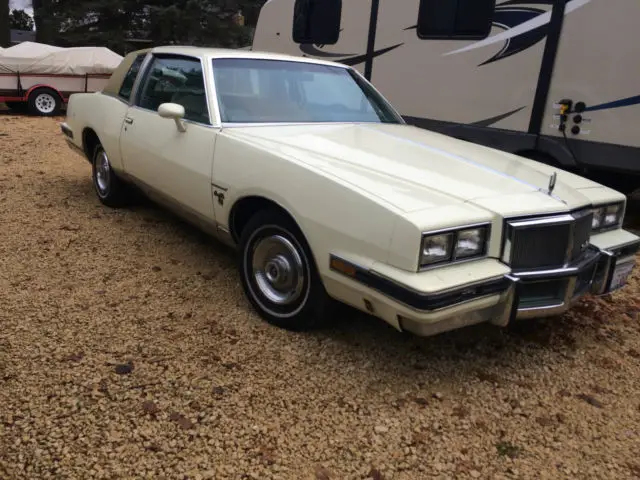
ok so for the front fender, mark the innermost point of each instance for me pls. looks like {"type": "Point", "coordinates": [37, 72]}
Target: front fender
{"type": "Point", "coordinates": [335, 217]}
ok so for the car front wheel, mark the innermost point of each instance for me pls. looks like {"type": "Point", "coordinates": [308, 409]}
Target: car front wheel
{"type": "Point", "coordinates": [279, 275]}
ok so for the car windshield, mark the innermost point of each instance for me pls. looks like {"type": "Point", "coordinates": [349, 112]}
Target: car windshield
{"type": "Point", "coordinates": [266, 91]}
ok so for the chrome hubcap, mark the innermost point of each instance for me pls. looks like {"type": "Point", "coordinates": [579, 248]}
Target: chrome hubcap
{"type": "Point", "coordinates": [102, 172]}
{"type": "Point", "coordinates": [45, 103]}
{"type": "Point", "coordinates": [278, 270]}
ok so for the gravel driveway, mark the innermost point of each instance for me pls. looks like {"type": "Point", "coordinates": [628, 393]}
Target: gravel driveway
{"type": "Point", "coordinates": [128, 351]}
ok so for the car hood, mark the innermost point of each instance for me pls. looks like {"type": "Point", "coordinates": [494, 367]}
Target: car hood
{"type": "Point", "coordinates": [415, 169]}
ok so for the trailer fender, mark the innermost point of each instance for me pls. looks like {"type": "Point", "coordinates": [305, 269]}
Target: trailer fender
{"type": "Point", "coordinates": [44, 85]}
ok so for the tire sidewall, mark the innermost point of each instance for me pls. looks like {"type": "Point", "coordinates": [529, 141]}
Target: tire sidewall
{"type": "Point", "coordinates": [264, 304]}
{"type": "Point", "coordinates": [308, 311]}
{"type": "Point", "coordinates": [101, 196]}
{"type": "Point", "coordinates": [44, 91]}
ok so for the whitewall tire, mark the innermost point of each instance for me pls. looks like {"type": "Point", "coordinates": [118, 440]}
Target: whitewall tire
{"type": "Point", "coordinates": [278, 273]}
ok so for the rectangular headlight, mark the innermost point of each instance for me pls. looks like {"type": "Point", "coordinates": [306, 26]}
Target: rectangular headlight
{"type": "Point", "coordinates": [454, 245]}
{"type": "Point", "coordinates": [471, 242]}
{"type": "Point", "coordinates": [606, 217]}
{"type": "Point", "coordinates": [436, 248]}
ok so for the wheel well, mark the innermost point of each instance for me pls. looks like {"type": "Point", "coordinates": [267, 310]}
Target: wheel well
{"type": "Point", "coordinates": [245, 208]}
{"type": "Point", "coordinates": [90, 141]}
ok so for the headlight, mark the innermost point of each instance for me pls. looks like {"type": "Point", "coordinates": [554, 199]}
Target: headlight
{"type": "Point", "coordinates": [607, 217]}
{"type": "Point", "coordinates": [454, 245]}
{"type": "Point", "coordinates": [436, 248]}
{"type": "Point", "coordinates": [470, 243]}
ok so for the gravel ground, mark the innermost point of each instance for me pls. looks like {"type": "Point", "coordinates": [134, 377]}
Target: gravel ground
{"type": "Point", "coordinates": [128, 351]}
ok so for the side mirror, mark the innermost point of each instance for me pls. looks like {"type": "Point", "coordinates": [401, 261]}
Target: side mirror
{"type": "Point", "coordinates": [173, 111]}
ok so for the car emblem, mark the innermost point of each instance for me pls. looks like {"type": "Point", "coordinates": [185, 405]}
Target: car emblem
{"type": "Point", "coordinates": [552, 182]}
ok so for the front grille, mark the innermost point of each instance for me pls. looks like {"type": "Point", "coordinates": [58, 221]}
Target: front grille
{"type": "Point", "coordinates": [547, 242]}
{"type": "Point", "coordinates": [581, 233]}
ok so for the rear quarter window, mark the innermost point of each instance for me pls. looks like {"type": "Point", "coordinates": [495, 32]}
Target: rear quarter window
{"type": "Point", "coordinates": [130, 78]}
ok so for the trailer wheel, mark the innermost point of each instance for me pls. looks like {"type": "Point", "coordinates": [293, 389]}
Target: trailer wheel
{"type": "Point", "coordinates": [44, 102]}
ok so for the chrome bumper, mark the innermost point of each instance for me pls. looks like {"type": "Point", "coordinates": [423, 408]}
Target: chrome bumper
{"type": "Point", "coordinates": [593, 273]}
{"type": "Point", "coordinates": [500, 300]}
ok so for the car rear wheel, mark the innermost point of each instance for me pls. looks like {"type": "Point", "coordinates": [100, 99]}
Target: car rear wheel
{"type": "Point", "coordinates": [111, 190]}
{"type": "Point", "coordinates": [44, 102]}
{"type": "Point", "coordinates": [279, 275]}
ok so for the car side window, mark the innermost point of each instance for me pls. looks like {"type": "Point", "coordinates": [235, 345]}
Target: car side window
{"type": "Point", "coordinates": [455, 19]}
{"type": "Point", "coordinates": [176, 79]}
{"type": "Point", "coordinates": [130, 78]}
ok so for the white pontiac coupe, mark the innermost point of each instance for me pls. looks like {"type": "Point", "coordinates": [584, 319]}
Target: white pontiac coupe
{"type": "Point", "coordinates": [329, 196]}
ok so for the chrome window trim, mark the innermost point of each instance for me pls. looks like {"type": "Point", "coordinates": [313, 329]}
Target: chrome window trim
{"type": "Point", "coordinates": [212, 92]}
{"type": "Point", "coordinates": [136, 84]}
{"type": "Point", "coordinates": [185, 120]}
{"type": "Point", "coordinates": [148, 62]}
{"type": "Point", "coordinates": [351, 70]}
{"type": "Point", "coordinates": [290, 124]}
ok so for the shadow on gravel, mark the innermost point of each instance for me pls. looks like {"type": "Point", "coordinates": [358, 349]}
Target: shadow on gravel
{"type": "Point", "coordinates": [368, 340]}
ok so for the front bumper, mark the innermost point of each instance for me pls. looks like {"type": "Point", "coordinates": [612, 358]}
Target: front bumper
{"type": "Point", "coordinates": [498, 300]}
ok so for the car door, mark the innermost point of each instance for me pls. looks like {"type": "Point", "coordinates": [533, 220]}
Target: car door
{"type": "Point", "coordinates": [174, 165]}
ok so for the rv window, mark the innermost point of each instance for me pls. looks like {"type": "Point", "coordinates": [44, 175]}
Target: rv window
{"type": "Point", "coordinates": [455, 19]}
{"type": "Point", "coordinates": [317, 21]}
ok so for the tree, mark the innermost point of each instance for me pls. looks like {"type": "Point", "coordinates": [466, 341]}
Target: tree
{"type": "Point", "coordinates": [113, 23]}
{"type": "Point", "coordinates": [20, 20]}
{"type": "Point", "coordinates": [45, 17]}
{"type": "Point", "coordinates": [5, 32]}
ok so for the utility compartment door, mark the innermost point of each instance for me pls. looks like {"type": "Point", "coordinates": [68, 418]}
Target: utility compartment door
{"type": "Point", "coordinates": [463, 61]}
{"type": "Point", "coordinates": [598, 63]}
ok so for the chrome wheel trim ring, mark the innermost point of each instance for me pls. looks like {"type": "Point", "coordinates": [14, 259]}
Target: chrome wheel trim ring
{"type": "Point", "coordinates": [277, 270]}
{"type": "Point", "coordinates": [103, 173]}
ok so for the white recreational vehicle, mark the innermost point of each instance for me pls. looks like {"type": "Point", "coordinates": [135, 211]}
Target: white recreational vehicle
{"type": "Point", "coordinates": [553, 80]}
{"type": "Point", "coordinates": [40, 78]}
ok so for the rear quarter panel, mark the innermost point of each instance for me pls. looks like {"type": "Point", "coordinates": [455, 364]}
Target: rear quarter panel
{"type": "Point", "coordinates": [104, 115]}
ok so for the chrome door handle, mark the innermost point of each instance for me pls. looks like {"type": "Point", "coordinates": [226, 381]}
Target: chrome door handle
{"type": "Point", "coordinates": [128, 120]}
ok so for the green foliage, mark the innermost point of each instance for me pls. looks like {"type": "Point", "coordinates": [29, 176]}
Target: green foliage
{"type": "Point", "coordinates": [125, 25]}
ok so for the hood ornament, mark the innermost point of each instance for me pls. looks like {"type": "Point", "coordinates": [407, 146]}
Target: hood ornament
{"type": "Point", "coordinates": [552, 183]}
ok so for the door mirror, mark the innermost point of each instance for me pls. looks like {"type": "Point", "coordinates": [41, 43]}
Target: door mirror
{"type": "Point", "coordinates": [174, 111]}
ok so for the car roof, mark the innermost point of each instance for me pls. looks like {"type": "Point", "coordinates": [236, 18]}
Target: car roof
{"type": "Point", "coordinates": [239, 53]}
